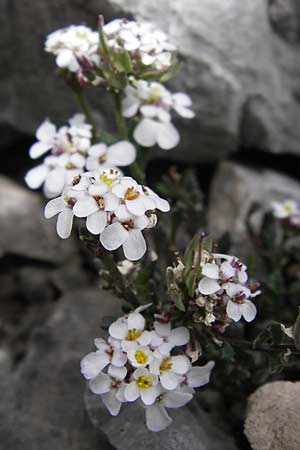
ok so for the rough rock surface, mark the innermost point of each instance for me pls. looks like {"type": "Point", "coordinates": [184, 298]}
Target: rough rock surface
{"type": "Point", "coordinates": [235, 189]}
{"type": "Point", "coordinates": [241, 66]}
{"type": "Point", "coordinates": [273, 421]}
{"type": "Point", "coordinates": [191, 429]}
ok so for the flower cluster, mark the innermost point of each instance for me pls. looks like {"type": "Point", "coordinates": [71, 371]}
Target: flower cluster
{"type": "Point", "coordinates": [145, 44]}
{"type": "Point", "coordinates": [115, 207]}
{"type": "Point", "coordinates": [154, 103]}
{"type": "Point", "coordinates": [224, 291]}
{"type": "Point", "coordinates": [74, 46]}
{"type": "Point", "coordinates": [137, 362]}
{"type": "Point", "coordinates": [288, 211]}
{"type": "Point", "coordinates": [71, 153]}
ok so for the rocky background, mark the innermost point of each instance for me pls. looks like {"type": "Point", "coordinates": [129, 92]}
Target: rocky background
{"type": "Point", "coordinates": [241, 65]}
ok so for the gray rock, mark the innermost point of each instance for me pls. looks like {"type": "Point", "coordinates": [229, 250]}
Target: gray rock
{"type": "Point", "coordinates": [191, 428]}
{"type": "Point", "coordinates": [43, 407]}
{"type": "Point", "coordinates": [272, 421]}
{"type": "Point", "coordinates": [242, 75]}
{"type": "Point", "coordinates": [235, 189]}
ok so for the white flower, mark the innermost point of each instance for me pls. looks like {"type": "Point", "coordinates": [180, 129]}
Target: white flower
{"type": "Point", "coordinates": [157, 418]}
{"type": "Point", "coordinates": [144, 385]}
{"type": "Point", "coordinates": [238, 305]}
{"type": "Point", "coordinates": [72, 46]}
{"type": "Point", "coordinates": [170, 370]}
{"type": "Point", "coordinates": [170, 338]}
{"type": "Point", "coordinates": [145, 44]}
{"type": "Point", "coordinates": [283, 210]}
{"type": "Point", "coordinates": [140, 356]}
{"type": "Point", "coordinates": [130, 330]}
{"type": "Point", "coordinates": [63, 207]}
{"type": "Point", "coordinates": [55, 173]}
{"type": "Point", "coordinates": [121, 154]}
{"type": "Point", "coordinates": [107, 353]}
{"type": "Point", "coordinates": [46, 136]}
{"type": "Point", "coordinates": [154, 103]}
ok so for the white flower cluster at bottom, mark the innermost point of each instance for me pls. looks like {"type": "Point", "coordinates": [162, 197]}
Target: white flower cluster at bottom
{"type": "Point", "coordinates": [136, 362]}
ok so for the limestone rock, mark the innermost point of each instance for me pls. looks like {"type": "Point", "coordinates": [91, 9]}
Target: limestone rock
{"type": "Point", "coordinates": [235, 188]}
{"type": "Point", "coordinates": [273, 421]}
{"type": "Point", "coordinates": [241, 67]}
{"type": "Point", "coordinates": [191, 429]}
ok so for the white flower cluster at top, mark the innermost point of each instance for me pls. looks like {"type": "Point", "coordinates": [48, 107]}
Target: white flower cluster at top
{"type": "Point", "coordinates": [137, 363]}
{"type": "Point", "coordinates": [288, 211]}
{"type": "Point", "coordinates": [142, 40]}
{"type": "Point", "coordinates": [115, 207]}
{"type": "Point", "coordinates": [73, 46]}
{"type": "Point", "coordinates": [72, 153]}
{"type": "Point", "coordinates": [154, 103]}
{"type": "Point", "coordinates": [224, 289]}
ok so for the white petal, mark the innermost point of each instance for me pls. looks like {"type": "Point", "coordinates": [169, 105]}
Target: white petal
{"type": "Point", "coordinates": [46, 131]}
{"type": "Point", "coordinates": [180, 364]}
{"type": "Point", "coordinates": [100, 384]}
{"type": "Point", "coordinates": [211, 271]}
{"type": "Point", "coordinates": [35, 177]}
{"type": "Point", "coordinates": [141, 222]}
{"type": "Point", "coordinates": [131, 392]}
{"type": "Point", "coordinates": [170, 380]}
{"type": "Point", "coordinates": [64, 58]}
{"type": "Point", "coordinates": [157, 418]}
{"type": "Point", "coordinates": [149, 395]}
{"type": "Point", "coordinates": [136, 206]}
{"type": "Point", "coordinates": [93, 363]}
{"type": "Point", "coordinates": [179, 336]}
{"type": "Point", "coordinates": [111, 402]}
{"type": "Point", "coordinates": [97, 150]}
{"type": "Point", "coordinates": [111, 201]}
{"type": "Point", "coordinates": [147, 59]}
{"type": "Point", "coordinates": [248, 310]}
{"type": "Point", "coordinates": [130, 106]}
{"type": "Point", "coordinates": [121, 154]}
{"type": "Point", "coordinates": [54, 207]}
{"type": "Point", "coordinates": [182, 99]}
{"type": "Point", "coordinates": [96, 222]}
{"type": "Point", "coordinates": [176, 399]}
{"type": "Point", "coordinates": [162, 329]}
{"type": "Point", "coordinates": [101, 344]}
{"type": "Point", "coordinates": [55, 181]}
{"type": "Point", "coordinates": [136, 321]}
{"type": "Point", "coordinates": [113, 236]}
{"type": "Point", "coordinates": [135, 245]}
{"type": "Point", "coordinates": [145, 338]}
{"type": "Point", "coordinates": [64, 223]}
{"type": "Point", "coordinates": [38, 149]}
{"type": "Point", "coordinates": [119, 358]}
{"type": "Point", "coordinates": [149, 110]}
{"type": "Point", "coordinates": [233, 311]}
{"type": "Point", "coordinates": [199, 376]}
{"type": "Point", "coordinates": [118, 373]}
{"type": "Point", "coordinates": [167, 136]}
{"type": "Point", "coordinates": [144, 133]}
{"type": "Point", "coordinates": [122, 213]}
{"type": "Point", "coordinates": [84, 207]}
{"type": "Point", "coordinates": [118, 329]}
{"type": "Point", "coordinates": [208, 286]}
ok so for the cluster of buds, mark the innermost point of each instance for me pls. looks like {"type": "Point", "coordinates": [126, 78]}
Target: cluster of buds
{"type": "Point", "coordinates": [70, 153]}
{"type": "Point", "coordinates": [115, 207]}
{"type": "Point", "coordinates": [214, 287]}
{"type": "Point", "coordinates": [288, 212]}
{"type": "Point", "coordinates": [153, 102]}
{"type": "Point", "coordinates": [138, 362]}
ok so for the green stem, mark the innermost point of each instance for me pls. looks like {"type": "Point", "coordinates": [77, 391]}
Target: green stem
{"type": "Point", "coordinates": [83, 103]}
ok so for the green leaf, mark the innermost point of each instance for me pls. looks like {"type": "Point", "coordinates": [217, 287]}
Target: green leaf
{"type": "Point", "coordinates": [207, 244]}
{"type": "Point", "coordinates": [122, 62]}
{"type": "Point", "coordinates": [177, 297]}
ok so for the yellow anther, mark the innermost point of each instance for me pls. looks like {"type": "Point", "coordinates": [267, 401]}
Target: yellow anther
{"type": "Point", "coordinates": [70, 166]}
{"type": "Point", "coordinates": [102, 159]}
{"type": "Point", "coordinates": [133, 334]}
{"type": "Point", "coordinates": [165, 364]}
{"type": "Point", "coordinates": [141, 357]}
{"type": "Point", "coordinates": [144, 382]}
{"type": "Point", "coordinates": [131, 194]}
{"type": "Point", "coordinates": [100, 201]}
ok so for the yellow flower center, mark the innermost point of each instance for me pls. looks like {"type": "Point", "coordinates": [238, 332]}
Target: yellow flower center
{"type": "Point", "coordinates": [165, 364]}
{"type": "Point", "coordinates": [155, 95]}
{"type": "Point", "coordinates": [144, 382]}
{"type": "Point", "coordinates": [70, 166]}
{"type": "Point", "coordinates": [141, 357]}
{"type": "Point", "coordinates": [288, 208]}
{"type": "Point", "coordinates": [131, 194]}
{"type": "Point", "coordinates": [133, 334]}
{"type": "Point", "coordinates": [81, 34]}
{"type": "Point", "coordinates": [102, 159]}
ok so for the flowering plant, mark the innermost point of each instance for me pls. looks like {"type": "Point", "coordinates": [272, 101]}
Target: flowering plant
{"type": "Point", "coordinates": [200, 309]}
